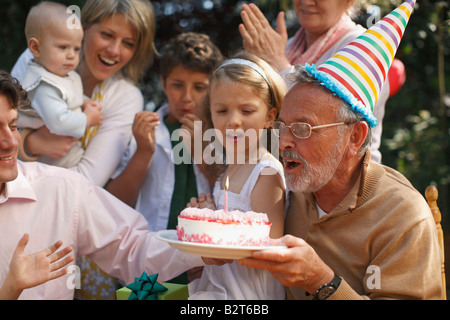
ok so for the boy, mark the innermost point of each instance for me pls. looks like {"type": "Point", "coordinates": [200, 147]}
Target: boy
{"type": "Point", "coordinates": [54, 87]}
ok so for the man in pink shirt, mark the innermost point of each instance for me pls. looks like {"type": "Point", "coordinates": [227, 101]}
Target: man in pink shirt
{"type": "Point", "coordinates": [52, 204]}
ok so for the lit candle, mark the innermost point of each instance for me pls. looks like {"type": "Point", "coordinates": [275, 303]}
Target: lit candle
{"type": "Point", "coordinates": [225, 205]}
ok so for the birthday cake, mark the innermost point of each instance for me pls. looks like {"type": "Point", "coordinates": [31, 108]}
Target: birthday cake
{"type": "Point", "coordinates": [234, 228]}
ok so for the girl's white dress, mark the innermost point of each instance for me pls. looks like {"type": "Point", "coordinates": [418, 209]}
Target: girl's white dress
{"type": "Point", "coordinates": [232, 281]}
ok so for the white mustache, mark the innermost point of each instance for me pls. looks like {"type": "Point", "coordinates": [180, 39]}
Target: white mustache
{"type": "Point", "coordinates": [292, 155]}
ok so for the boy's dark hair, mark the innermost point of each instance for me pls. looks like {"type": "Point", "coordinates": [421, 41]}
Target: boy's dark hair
{"type": "Point", "coordinates": [13, 91]}
{"type": "Point", "coordinates": [194, 51]}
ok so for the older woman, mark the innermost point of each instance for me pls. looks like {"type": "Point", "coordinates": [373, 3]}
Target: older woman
{"type": "Point", "coordinates": [325, 28]}
{"type": "Point", "coordinates": [118, 47]}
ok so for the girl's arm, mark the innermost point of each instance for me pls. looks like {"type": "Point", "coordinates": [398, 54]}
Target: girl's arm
{"type": "Point", "coordinates": [268, 197]}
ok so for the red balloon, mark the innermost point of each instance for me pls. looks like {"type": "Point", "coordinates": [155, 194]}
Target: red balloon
{"type": "Point", "coordinates": [396, 77]}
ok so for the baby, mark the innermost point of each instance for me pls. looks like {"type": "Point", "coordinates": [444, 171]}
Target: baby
{"type": "Point", "coordinates": [55, 89]}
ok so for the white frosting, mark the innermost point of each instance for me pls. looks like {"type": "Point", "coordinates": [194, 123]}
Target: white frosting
{"type": "Point", "coordinates": [237, 216]}
{"type": "Point", "coordinates": [223, 228]}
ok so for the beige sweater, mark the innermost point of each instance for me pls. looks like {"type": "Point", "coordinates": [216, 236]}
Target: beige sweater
{"type": "Point", "coordinates": [381, 239]}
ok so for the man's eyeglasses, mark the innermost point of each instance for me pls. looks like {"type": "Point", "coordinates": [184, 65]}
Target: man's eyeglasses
{"type": "Point", "coordinates": [301, 130]}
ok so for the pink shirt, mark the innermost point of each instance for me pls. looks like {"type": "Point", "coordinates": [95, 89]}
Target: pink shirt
{"type": "Point", "coordinates": [54, 204]}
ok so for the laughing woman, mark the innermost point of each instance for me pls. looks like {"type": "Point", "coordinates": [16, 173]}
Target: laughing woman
{"type": "Point", "coordinates": [118, 48]}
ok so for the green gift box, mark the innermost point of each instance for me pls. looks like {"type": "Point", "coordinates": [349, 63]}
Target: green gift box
{"type": "Point", "coordinates": [174, 292]}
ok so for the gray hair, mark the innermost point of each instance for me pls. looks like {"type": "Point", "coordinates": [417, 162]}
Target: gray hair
{"type": "Point", "coordinates": [344, 113]}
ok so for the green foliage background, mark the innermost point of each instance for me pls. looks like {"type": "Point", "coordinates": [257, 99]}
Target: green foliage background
{"type": "Point", "coordinates": [416, 125]}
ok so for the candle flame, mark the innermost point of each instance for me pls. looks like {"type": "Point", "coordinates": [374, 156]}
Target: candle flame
{"type": "Point", "coordinates": [227, 183]}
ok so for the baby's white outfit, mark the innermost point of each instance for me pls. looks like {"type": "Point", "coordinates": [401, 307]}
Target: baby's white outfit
{"type": "Point", "coordinates": [58, 107]}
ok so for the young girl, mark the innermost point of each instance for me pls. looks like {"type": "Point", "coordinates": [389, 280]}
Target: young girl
{"type": "Point", "coordinates": [244, 98]}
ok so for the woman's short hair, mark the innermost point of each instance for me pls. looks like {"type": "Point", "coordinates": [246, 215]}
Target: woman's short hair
{"type": "Point", "coordinates": [141, 16]}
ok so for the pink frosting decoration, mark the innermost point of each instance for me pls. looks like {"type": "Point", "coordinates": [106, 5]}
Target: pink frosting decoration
{"type": "Point", "coordinates": [225, 222]}
{"type": "Point", "coordinates": [206, 239]}
{"type": "Point", "coordinates": [221, 215]}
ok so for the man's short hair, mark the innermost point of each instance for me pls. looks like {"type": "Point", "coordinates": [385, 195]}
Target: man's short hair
{"type": "Point", "coordinates": [13, 91]}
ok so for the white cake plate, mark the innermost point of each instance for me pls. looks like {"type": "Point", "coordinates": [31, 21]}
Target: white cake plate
{"type": "Point", "coordinates": [210, 250]}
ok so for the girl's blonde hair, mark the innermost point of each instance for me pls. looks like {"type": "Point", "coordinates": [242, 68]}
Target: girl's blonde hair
{"type": "Point", "coordinates": [271, 88]}
{"type": "Point", "coordinates": [141, 16]}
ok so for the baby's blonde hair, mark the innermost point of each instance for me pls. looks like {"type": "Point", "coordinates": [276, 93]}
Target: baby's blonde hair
{"type": "Point", "coordinates": [44, 15]}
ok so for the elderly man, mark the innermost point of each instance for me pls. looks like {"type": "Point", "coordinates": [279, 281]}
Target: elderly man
{"type": "Point", "coordinates": [357, 229]}
{"type": "Point", "coordinates": [51, 204]}
{"type": "Point", "coordinates": [361, 229]}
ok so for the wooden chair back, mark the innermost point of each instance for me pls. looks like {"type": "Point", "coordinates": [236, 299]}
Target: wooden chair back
{"type": "Point", "coordinates": [431, 194]}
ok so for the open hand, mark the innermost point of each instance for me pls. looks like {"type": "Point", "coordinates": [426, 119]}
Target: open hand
{"type": "Point", "coordinates": [28, 271]}
{"type": "Point", "coordinates": [260, 39]}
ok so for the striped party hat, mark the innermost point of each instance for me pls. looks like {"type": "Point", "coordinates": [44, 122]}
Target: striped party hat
{"type": "Point", "coordinates": [357, 72]}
